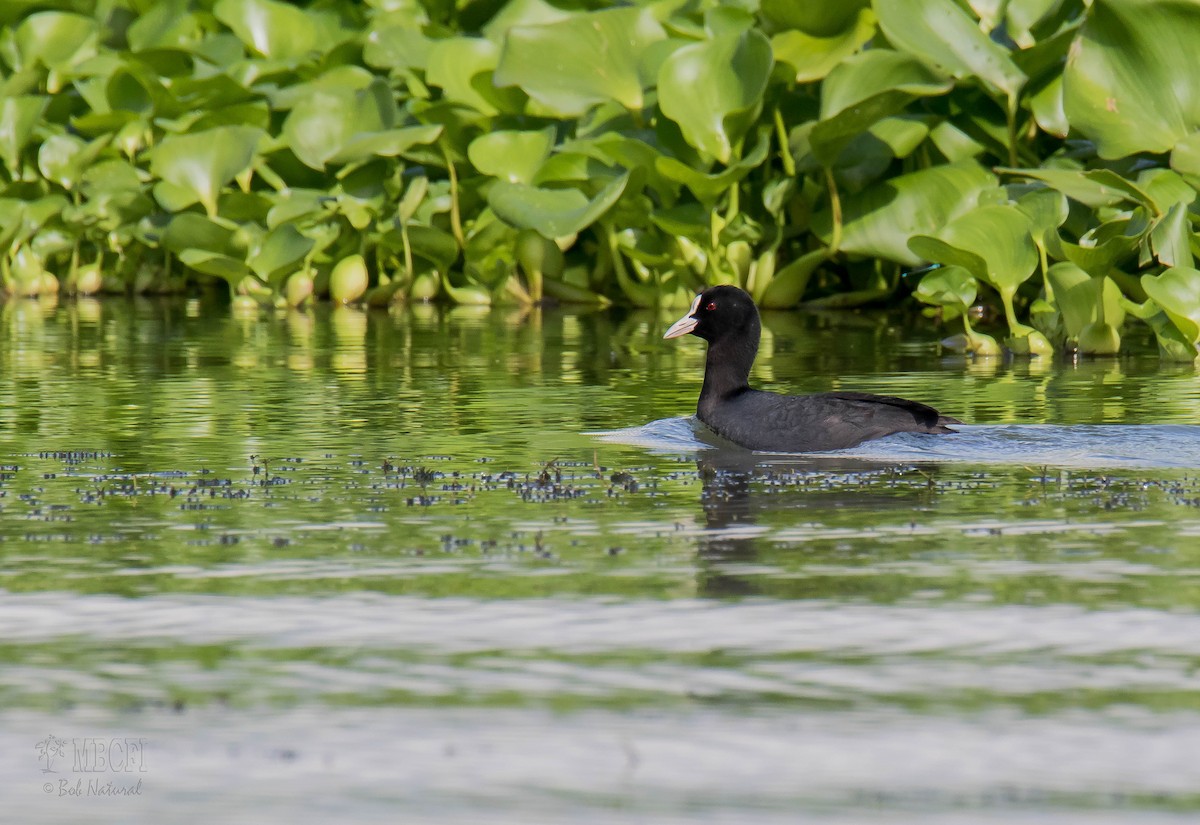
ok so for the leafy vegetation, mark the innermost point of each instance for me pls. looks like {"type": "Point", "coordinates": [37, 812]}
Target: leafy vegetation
{"type": "Point", "coordinates": [1044, 154]}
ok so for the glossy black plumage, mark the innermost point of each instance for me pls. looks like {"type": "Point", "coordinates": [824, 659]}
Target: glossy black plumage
{"type": "Point", "coordinates": [726, 317]}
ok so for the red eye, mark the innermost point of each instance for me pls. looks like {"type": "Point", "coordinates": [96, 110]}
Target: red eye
{"type": "Point", "coordinates": [711, 306]}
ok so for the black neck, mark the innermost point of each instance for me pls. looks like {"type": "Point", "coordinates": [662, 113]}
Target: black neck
{"type": "Point", "coordinates": [727, 368]}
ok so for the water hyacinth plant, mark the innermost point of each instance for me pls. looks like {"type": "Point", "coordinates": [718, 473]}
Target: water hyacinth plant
{"type": "Point", "coordinates": [1045, 155]}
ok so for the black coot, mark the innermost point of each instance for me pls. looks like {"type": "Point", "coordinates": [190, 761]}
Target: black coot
{"type": "Point", "coordinates": [726, 317]}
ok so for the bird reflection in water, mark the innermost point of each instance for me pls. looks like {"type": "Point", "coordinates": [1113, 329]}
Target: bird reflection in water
{"type": "Point", "coordinates": [740, 486]}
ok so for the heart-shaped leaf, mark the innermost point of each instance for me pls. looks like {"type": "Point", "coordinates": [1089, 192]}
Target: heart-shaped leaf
{"type": "Point", "coordinates": [58, 40]}
{"type": "Point", "coordinates": [948, 286]}
{"type": "Point", "coordinates": [511, 156]}
{"type": "Point", "coordinates": [570, 65]}
{"type": "Point", "coordinates": [555, 213]}
{"type": "Point", "coordinates": [323, 127]}
{"type": "Point", "coordinates": [1185, 158]}
{"type": "Point", "coordinates": [713, 89]}
{"type": "Point", "coordinates": [1123, 87]}
{"type": "Point", "coordinates": [991, 242]}
{"type": "Point", "coordinates": [879, 221]}
{"type": "Point", "coordinates": [272, 29]}
{"type": "Point", "coordinates": [197, 166]}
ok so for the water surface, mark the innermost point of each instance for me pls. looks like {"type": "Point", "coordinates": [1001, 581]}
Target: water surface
{"type": "Point", "coordinates": [468, 566]}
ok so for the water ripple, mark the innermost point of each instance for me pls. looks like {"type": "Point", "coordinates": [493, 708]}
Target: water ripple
{"type": "Point", "coordinates": [458, 625]}
{"type": "Point", "coordinates": [1080, 446]}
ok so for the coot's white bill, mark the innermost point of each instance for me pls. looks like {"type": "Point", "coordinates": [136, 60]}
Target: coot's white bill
{"type": "Point", "coordinates": [685, 324]}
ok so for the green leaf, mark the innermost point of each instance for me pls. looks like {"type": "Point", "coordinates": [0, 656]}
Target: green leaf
{"type": "Point", "coordinates": [58, 40]}
{"type": "Point", "coordinates": [437, 247]}
{"type": "Point", "coordinates": [714, 89]}
{"type": "Point", "coordinates": [188, 230]}
{"type": "Point", "coordinates": [397, 47]}
{"type": "Point", "coordinates": [197, 166]}
{"type": "Point", "coordinates": [994, 244]}
{"type": "Point", "coordinates": [279, 254]}
{"type": "Point", "coordinates": [12, 220]}
{"type": "Point", "coordinates": [610, 149]}
{"type": "Point", "coordinates": [166, 24]}
{"type": "Point", "coordinates": [570, 65]}
{"type": "Point", "coordinates": [1177, 291]}
{"type": "Point", "coordinates": [1095, 188]}
{"type": "Point", "coordinates": [1165, 188]}
{"type": "Point", "coordinates": [1123, 87]}
{"type": "Point", "coordinates": [463, 68]}
{"type": "Point", "coordinates": [1046, 104]}
{"type": "Point", "coordinates": [330, 127]}
{"type": "Point", "coordinates": [414, 194]}
{"type": "Point", "coordinates": [64, 158]}
{"type": "Point", "coordinates": [1090, 307]}
{"type": "Point", "coordinates": [1185, 158]}
{"type": "Point", "coordinates": [948, 286]}
{"type": "Point", "coordinates": [991, 242]}
{"type": "Point", "coordinates": [1023, 15]}
{"type": "Point", "coordinates": [820, 19]}
{"type": "Point", "coordinates": [511, 156]}
{"type": "Point", "coordinates": [865, 89]}
{"type": "Point", "coordinates": [1172, 344]}
{"type": "Point", "coordinates": [555, 213]}
{"type": "Point", "coordinates": [812, 57]}
{"type": "Point", "coordinates": [387, 144]}
{"type": "Point", "coordinates": [1104, 247]}
{"type": "Point", "coordinates": [872, 73]}
{"type": "Point", "coordinates": [272, 29]}
{"type": "Point", "coordinates": [787, 285]}
{"type": "Point", "coordinates": [340, 80]}
{"type": "Point", "coordinates": [522, 13]}
{"type": "Point", "coordinates": [1171, 237]}
{"type": "Point", "coordinates": [941, 34]}
{"type": "Point", "coordinates": [213, 263]}
{"type": "Point", "coordinates": [707, 188]}
{"type": "Point", "coordinates": [1046, 208]}
{"type": "Point", "coordinates": [18, 117]}
{"type": "Point", "coordinates": [879, 221]}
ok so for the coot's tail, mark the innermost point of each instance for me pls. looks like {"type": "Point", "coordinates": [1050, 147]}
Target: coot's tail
{"type": "Point", "coordinates": [943, 423]}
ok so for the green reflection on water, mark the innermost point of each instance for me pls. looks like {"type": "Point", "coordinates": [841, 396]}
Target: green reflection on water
{"type": "Point", "coordinates": [139, 436]}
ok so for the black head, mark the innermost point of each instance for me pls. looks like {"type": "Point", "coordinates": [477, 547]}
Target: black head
{"type": "Point", "coordinates": [717, 312]}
